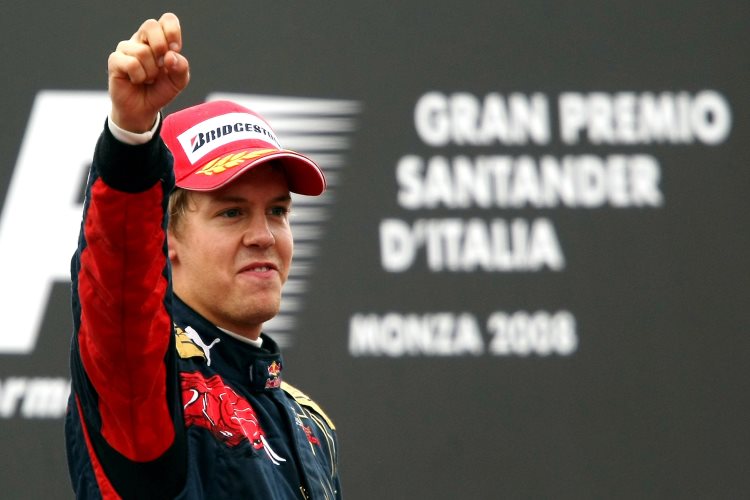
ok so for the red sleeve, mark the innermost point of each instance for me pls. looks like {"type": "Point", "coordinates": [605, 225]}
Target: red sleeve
{"type": "Point", "coordinates": [125, 328]}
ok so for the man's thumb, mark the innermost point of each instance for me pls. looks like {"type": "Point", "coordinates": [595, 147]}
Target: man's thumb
{"type": "Point", "coordinates": [178, 70]}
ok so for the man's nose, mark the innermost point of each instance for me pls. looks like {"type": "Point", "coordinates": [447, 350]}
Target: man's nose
{"type": "Point", "coordinates": [258, 233]}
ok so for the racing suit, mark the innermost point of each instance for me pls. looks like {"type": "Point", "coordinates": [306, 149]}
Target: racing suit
{"type": "Point", "coordinates": [163, 403]}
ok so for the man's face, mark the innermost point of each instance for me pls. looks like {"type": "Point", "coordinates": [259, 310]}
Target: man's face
{"type": "Point", "coordinates": [232, 250]}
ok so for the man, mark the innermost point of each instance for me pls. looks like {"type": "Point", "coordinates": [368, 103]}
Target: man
{"type": "Point", "coordinates": [176, 392]}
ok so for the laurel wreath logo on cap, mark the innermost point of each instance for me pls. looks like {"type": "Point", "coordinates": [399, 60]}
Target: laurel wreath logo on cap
{"type": "Point", "coordinates": [219, 165]}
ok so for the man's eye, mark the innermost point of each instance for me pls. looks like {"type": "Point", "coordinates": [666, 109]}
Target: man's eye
{"type": "Point", "coordinates": [232, 212]}
{"type": "Point", "coordinates": [279, 211]}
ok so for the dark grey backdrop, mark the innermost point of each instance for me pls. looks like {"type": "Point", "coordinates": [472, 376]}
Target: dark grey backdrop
{"type": "Point", "coordinates": [652, 404]}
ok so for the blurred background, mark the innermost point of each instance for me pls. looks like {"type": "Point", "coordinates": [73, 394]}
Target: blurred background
{"type": "Point", "coordinates": [528, 277]}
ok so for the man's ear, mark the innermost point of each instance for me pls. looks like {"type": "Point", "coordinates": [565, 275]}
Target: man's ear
{"type": "Point", "coordinates": [172, 247]}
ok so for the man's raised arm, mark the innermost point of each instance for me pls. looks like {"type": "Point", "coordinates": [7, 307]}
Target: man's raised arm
{"type": "Point", "coordinates": [124, 429]}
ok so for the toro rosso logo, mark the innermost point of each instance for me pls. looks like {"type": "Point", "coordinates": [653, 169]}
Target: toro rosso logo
{"type": "Point", "coordinates": [211, 404]}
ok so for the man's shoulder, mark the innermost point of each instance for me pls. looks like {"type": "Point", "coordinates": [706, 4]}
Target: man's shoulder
{"type": "Point", "coordinates": [304, 400]}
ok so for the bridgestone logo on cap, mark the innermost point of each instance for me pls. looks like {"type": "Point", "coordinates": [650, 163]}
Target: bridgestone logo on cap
{"type": "Point", "coordinates": [215, 132]}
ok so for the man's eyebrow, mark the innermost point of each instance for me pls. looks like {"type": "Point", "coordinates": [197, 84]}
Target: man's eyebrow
{"type": "Point", "coordinates": [240, 199]}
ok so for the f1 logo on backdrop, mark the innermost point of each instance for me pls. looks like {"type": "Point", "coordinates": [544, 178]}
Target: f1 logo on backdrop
{"type": "Point", "coordinates": [41, 217]}
{"type": "Point", "coordinates": [39, 222]}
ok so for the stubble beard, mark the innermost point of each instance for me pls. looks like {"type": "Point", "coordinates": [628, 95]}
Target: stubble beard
{"type": "Point", "coordinates": [254, 314]}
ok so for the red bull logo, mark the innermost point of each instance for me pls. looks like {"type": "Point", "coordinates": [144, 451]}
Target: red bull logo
{"type": "Point", "coordinates": [274, 369]}
{"type": "Point", "coordinates": [274, 380]}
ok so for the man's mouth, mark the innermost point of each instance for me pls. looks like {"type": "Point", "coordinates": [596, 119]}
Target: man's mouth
{"type": "Point", "coordinates": [258, 268]}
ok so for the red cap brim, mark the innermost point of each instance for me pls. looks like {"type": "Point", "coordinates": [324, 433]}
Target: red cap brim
{"type": "Point", "coordinates": [303, 175]}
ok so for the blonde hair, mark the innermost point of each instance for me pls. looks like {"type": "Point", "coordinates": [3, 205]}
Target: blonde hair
{"type": "Point", "coordinates": [177, 206]}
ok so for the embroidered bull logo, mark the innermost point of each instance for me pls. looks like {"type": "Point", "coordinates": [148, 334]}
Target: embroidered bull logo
{"type": "Point", "coordinates": [211, 404]}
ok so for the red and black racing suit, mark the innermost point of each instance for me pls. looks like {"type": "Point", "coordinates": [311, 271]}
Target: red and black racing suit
{"type": "Point", "coordinates": [164, 404]}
